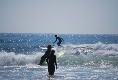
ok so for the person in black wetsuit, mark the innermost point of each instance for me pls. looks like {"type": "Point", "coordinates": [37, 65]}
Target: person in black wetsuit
{"type": "Point", "coordinates": [51, 60]}
{"type": "Point", "coordinates": [59, 39]}
{"type": "Point", "coordinates": [47, 53]}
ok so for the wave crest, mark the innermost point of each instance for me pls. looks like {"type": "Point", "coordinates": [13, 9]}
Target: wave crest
{"type": "Point", "coordinates": [18, 59]}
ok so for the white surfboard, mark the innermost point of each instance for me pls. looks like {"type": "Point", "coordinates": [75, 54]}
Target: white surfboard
{"type": "Point", "coordinates": [60, 53]}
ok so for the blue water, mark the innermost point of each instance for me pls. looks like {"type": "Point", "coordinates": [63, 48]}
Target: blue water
{"type": "Point", "coordinates": [87, 56]}
{"type": "Point", "coordinates": [23, 43]}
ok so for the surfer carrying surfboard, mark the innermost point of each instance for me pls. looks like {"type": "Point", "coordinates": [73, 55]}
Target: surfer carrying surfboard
{"type": "Point", "coordinates": [47, 53]}
{"type": "Point", "coordinates": [59, 39]}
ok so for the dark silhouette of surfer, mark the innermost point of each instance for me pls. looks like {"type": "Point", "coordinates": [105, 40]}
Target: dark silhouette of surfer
{"type": "Point", "coordinates": [47, 53]}
{"type": "Point", "coordinates": [51, 60]}
{"type": "Point", "coordinates": [59, 39]}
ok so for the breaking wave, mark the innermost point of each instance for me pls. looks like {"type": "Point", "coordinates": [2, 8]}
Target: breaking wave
{"type": "Point", "coordinates": [98, 54]}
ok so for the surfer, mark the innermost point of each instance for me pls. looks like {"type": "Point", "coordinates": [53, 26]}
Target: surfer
{"type": "Point", "coordinates": [47, 53]}
{"type": "Point", "coordinates": [59, 39]}
{"type": "Point", "coordinates": [51, 60]}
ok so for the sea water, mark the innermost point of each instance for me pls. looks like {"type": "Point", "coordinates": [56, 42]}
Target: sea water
{"type": "Point", "coordinates": [87, 56]}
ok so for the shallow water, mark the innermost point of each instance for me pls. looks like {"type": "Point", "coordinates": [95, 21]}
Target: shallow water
{"type": "Point", "coordinates": [35, 72]}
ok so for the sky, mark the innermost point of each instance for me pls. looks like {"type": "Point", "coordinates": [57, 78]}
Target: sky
{"type": "Point", "coordinates": [59, 16]}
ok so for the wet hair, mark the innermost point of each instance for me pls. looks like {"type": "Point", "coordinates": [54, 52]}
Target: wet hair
{"type": "Point", "coordinates": [55, 35]}
{"type": "Point", "coordinates": [49, 46]}
{"type": "Point", "coordinates": [53, 51]}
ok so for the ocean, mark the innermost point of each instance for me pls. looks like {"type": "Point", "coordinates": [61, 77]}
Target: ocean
{"type": "Point", "coordinates": [87, 56]}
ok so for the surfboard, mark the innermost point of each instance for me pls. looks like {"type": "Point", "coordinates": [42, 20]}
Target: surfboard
{"type": "Point", "coordinates": [58, 54]}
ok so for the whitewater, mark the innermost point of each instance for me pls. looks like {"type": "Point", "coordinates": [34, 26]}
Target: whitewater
{"type": "Point", "coordinates": [87, 57]}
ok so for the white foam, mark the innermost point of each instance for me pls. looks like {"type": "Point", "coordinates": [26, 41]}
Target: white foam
{"type": "Point", "coordinates": [18, 59]}
{"type": "Point", "coordinates": [98, 49]}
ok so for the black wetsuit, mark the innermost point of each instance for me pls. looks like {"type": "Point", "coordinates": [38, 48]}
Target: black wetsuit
{"type": "Point", "coordinates": [59, 39]}
{"type": "Point", "coordinates": [51, 60]}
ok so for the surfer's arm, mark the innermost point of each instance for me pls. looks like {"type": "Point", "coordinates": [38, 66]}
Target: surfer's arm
{"type": "Point", "coordinates": [55, 40]}
{"type": "Point", "coordinates": [62, 39]}
{"type": "Point", "coordinates": [55, 62]}
{"type": "Point", "coordinates": [56, 65]}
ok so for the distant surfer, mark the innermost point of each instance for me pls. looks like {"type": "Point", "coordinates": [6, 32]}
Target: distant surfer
{"type": "Point", "coordinates": [47, 53]}
{"type": "Point", "coordinates": [59, 39]}
{"type": "Point", "coordinates": [51, 60]}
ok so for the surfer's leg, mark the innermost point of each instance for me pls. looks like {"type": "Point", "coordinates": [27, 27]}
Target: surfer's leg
{"type": "Point", "coordinates": [58, 43]}
{"type": "Point", "coordinates": [51, 68]}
